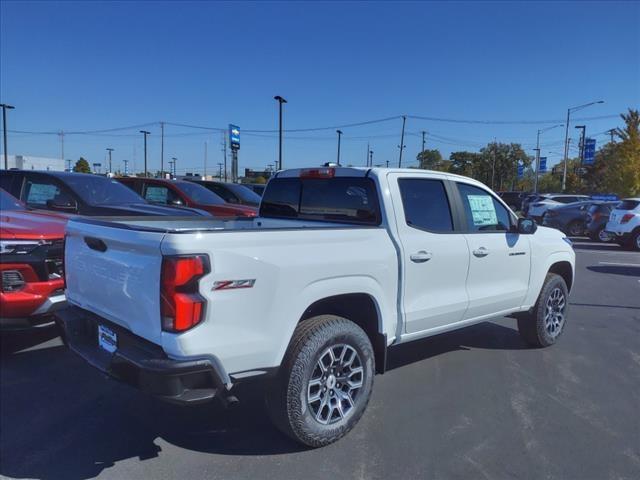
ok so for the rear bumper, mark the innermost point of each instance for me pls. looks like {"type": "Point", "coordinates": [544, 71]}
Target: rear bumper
{"type": "Point", "coordinates": [142, 364]}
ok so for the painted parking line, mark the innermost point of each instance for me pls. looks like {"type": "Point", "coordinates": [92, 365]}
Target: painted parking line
{"type": "Point", "coordinates": [621, 264]}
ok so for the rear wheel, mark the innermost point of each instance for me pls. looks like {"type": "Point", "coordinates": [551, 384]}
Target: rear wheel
{"type": "Point", "coordinates": [601, 236]}
{"type": "Point", "coordinates": [635, 240]}
{"type": "Point", "coordinates": [575, 229]}
{"type": "Point", "coordinates": [325, 381]}
{"type": "Point", "coordinates": [543, 325]}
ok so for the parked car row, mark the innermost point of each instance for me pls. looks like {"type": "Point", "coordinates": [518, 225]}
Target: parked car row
{"type": "Point", "coordinates": [35, 207]}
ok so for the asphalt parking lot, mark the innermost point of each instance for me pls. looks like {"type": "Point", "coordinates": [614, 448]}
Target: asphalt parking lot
{"type": "Point", "coordinates": [470, 404]}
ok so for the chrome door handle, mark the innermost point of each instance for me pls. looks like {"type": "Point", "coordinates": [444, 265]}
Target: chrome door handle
{"type": "Point", "coordinates": [481, 252]}
{"type": "Point", "coordinates": [421, 256]}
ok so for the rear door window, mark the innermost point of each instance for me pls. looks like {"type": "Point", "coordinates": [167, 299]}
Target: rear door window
{"type": "Point", "coordinates": [425, 204]}
{"type": "Point", "coordinates": [159, 194]}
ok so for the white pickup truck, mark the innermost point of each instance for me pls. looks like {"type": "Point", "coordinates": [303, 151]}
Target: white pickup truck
{"type": "Point", "coordinates": [340, 264]}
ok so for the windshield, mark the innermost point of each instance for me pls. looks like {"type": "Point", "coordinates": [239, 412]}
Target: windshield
{"type": "Point", "coordinates": [246, 194]}
{"type": "Point", "coordinates": [96, 190]}
{"type": "Point", "coordinates": [199, 194]}
{"type": "Point", "coordinates": [7, 202]}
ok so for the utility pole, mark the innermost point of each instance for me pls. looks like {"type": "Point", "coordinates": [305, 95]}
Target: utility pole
{"type": "Point", "coordinates": [537, 150]}
{"type": "Point", "coordinates": [220, 174]}
{"type": "Point", "coordinates": [224, 150]}
{"type": "Point", "coordinates": [401, 146]}
{"type": "Point", "coordinates": [371, 158]}
{"type": "Point", "coordinates": [5, 107]}
{"type": "Point", "coordinates": [387, 163]}
{"type": "Point", "coordinates": [171, 168]}
{"type": "Point", "coordinates": [339, 132]}
{"type": "Point", "coordinates": [367, 155]}
{"type": "Point", "coordinates": [68, 164]}
{"type": "Point", "coordinates": [280, 102]}
{"type": "Point", "coordinates": [493, 167]}
{"type": "Point", "coordinates": [423, 142]}
{"type": "Point", "coordinates": [61, 135]}
{"type": "Point", "coordinates": [205, 161]}
{"type": "Point", "coordinates": [110, 150]}
{"type": "Point", "coordinates": [126, 167]}
{"type": "Point", "coordinates": [611, 132]}
{"type": "Point", "coordinates": [145, 133]}
{"type": "Point", "coordinates": [162, 149]}
{"type": "Point", "coordinates": [175, 167]}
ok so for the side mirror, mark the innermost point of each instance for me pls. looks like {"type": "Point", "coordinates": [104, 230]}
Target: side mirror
{"type": "Point", "coordinates": [62, 206]}
{"type": "Point", "coordinates": [527, 226]}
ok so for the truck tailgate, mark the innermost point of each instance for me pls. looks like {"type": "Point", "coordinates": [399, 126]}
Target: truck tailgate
{"type": "Point", "coordinates": [115, 273]}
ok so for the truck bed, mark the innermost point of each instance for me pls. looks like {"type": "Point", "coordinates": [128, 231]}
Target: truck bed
{"type": "Point", "coordinates": [203, 224]}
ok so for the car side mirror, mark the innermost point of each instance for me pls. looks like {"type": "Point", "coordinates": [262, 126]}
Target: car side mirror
{"type": "Point", "coordinates": [68, 206]}
{"type": "Point", "coordinates": [527, 226]}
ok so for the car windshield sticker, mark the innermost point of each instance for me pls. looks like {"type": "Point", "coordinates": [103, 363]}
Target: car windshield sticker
{"type": "Point", "coordinates": [482, 210]}
{"type": "Point", "coordinates": [40, 193]}
{"type": "Point", "coordinates": [156, 194]}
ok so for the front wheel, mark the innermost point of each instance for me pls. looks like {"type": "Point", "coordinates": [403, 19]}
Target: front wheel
{"type": "Point", "coordinates": [576, 229]}
{"type": "Point", "coordinates": [325, 381]}
{"type": "Point", "coordinates": [543, 325]}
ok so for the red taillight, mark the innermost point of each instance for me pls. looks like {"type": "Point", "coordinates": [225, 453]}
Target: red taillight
{"type": "Point", "coordinates": [318, 173]}
{"type": "Point", "coordinates": [626, 217]}
{"type": "Point", "coordinates": [181, 306]}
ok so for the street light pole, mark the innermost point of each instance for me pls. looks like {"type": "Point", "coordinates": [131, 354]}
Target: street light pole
{"type": "Point", "coordinates": [145, 133]}
{"type": "Point", "coordinates": [566, 139]}
{"type": "Point", "coordinates": [280, 102]}
{"type": "Point", "coordinates": [175, 165]}
{"type": "Point", "coordinates": [583, 132]}
{"type": "Point", "coordinates": [110, 150]}
{"type": "Point", "coordinates": [126, 167]}
{"type": "Point", "coordinates": [5, 107]}
{"type": "Point", "coordinates": [339, 132]}
{"type": "Point", "coordinates": [161, 148]}
{"type": "Point", "coordinates": [537, 149]}
{"type": "Point", "coordinates": [423, 142]}
{"type": "Point", "coordinates": [371, 158]}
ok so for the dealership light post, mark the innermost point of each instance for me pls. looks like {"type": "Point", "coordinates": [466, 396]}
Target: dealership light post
{"type": "Point", "coordinates": [280, 102]}
{"type": "Point", "coordinates": [145, 133]}
{"type": "Point", "coordinates": [175, 165]}
{"type": "Point", "coordinates": [5, 107]}
{"type": "Point", "coordinates": [566, 139]}
{"type": "Point", "coordinates": [537, 149]}
{"type": "Point", "coordinates": [110, 150]}
{"type": "Point", "coordinates": [339, 132]}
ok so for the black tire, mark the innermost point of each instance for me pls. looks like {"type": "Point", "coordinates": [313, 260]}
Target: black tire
{"type": "Point", "coordinates": [597, 236]}
{"type": "Point", "coordinates": [575, 229]}
{"type": "Point", "coordinates": [635, 241]}
{"type": "Point", "coordinates": [288, 398]}
{"type": "Point", "coordinates": [535, 328]}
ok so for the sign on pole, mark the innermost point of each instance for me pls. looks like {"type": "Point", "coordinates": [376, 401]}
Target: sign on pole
{"type": "Point", "coordinates": [234, 137]}
{"type": "Point", "coordinates": [520, 170]}
{"type": "Point", "coordinates": [589, 150]}
{"type": "Point", "coordinates": [543, 164]}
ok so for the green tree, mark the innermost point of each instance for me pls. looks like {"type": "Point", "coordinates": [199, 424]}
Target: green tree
{"type": "Point", "coordinates": [82, 166]}
{"type": "Point", "coordinates": [464, 163]}
{"type": "Point", "coordinates": [499, 165]}
{"type": "Point", "coordinates": [623, 172]}
{"type": "Point", "coordinates": [431, 160]}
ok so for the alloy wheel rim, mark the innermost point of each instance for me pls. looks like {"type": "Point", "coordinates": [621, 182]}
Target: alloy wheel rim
{"type": "Point", "coordinates": [554, 312]}
{"type": "Point", "coordinates": [603, 236]}
{"type": "Point", "coordinates": [335, 384]}
{"type": "Point", "coordinates": [575, 230]}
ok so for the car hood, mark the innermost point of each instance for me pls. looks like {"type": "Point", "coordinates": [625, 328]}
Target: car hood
{"type": "Point", "coordinates": [28, 225]}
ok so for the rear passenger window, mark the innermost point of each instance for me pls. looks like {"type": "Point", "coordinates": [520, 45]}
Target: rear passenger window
{"type": "Point", "coordinates": [484, 213]}
{"type": "Point", "coordinates": [425, 204]}
{"type": "Point", "coordinates": [161, 194]}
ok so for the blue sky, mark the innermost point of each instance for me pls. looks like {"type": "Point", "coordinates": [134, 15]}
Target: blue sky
{"type": "Point", "coordinates": [81, 66]}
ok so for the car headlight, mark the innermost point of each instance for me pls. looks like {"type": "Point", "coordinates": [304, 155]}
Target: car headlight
{"type": "Point", "coordinates": [568, 241]}
{"type": "Point", "coordinates": [18, 247]}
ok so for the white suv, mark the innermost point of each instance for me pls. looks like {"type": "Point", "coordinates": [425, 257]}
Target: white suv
{"type": "Point", "coordinates": [624, 223]}
{"type": "Point", "coordinates": [537, 209]}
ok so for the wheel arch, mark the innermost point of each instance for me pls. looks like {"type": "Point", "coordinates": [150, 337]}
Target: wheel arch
{"type": "Point", "coordinates": [363, 310]}
{"type": "Point", "coordinates": [565, 270]}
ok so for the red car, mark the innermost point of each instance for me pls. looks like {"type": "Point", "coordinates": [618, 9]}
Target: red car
{"type": "Point", "coordinates": [31, 264]}
{"type": "Point", "coordinates": [185, 194]}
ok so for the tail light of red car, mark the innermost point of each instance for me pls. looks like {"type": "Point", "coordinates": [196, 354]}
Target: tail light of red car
{"type": "Point", "coordinates": [181, 305]}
